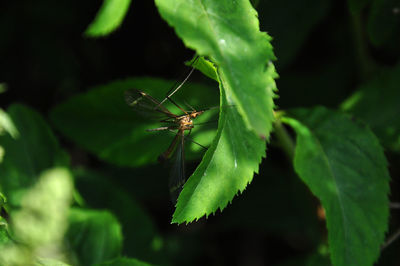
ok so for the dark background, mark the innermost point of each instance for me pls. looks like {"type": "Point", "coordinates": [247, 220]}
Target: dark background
{"type": "Point", "coordinates": [44, 59]}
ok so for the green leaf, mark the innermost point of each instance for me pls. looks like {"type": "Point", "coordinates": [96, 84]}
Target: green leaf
{"type": "Point", "coordinates": [7, 124]}
{"type": "Point", "coordinates": [50, 262]}
{"type": "Point", "coordinates": [204, 66]}
{"type": "Point", "coordinates": [137, 243]}
{"type": "Point", "coordinates": [35, 150]}
{"type": "Point", "coordinates": [227, 167]}
{"type": "Point", "coordinates": [95, 236]}
{"type": "Point", "coordinates": [227, 32]}
{"type": "Point", "coordinates": [343, 164]}
{"type": "Point", "coordinates": [4, 236]}
{"type": "Point", "coordinates": [109, 17]}
{"type": "Point", "coordinates": [377, 103]}
{"type": "Point", "coordinates": [3, 87]}
{"type": "Point", "coordinates": [101, 122]}
{"type": "Point", "coordinates": [356, 6]}
{"type": "Point", "coordinates": [383, 21]}
{"type": "Point", "coordinates": [291, 23]}
{"type": "Point", "coordinates": [124, 262]}
{"type": "Point", "coordinates": [40, 224]}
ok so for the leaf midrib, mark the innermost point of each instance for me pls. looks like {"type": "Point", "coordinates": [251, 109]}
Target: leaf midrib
{"type": "Point", "coordinates": [326, 159]}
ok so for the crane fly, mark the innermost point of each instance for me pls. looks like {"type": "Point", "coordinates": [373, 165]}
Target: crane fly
{"type": "Point", "coordinates": [179, 124]}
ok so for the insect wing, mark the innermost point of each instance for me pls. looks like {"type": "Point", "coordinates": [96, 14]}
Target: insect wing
{"type": "Point", "coordinates": [177, 175]}
{"type": "Point", "coordinates": [146, 105]}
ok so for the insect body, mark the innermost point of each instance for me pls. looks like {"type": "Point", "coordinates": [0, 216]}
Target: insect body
{"type": "Point", "coordinates": [144, 103]}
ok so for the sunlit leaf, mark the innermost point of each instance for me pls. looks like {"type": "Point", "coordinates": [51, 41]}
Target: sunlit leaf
{"type": "Point", "coordinates": [95, 236]}
{"type": "Point", "coordinates": [227, 167]}
{"type": "Point", "coordinates": [35, 150]}
{"type": "Point", "coordinates": [227, 32]}
{"type": "Point", "coordinates": [108, 18]}
{"type": "Point", "coordinates": [343, 164]}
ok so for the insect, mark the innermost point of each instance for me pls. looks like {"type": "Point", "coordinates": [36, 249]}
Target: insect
{"type": "Point", "coordinates": [142, 102]}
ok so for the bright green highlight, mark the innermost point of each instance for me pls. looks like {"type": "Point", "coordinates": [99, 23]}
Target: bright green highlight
{"type": "Point", "coordinates": [7, 125]}
{"type": "Point", "coordinates": [41, 222]}
{"type": "Point", "coordinates": [343, 164]}
{"type": "Point", "coordinates": [108, 18]}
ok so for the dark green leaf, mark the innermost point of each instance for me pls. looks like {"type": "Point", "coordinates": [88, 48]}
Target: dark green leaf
{"type": "Point", "coordinates": [95, 236]}
{"type": "Point", "coordinates": [228, 33]}
{"type": "Point", "coordinates": [34, 151]}
{"type": "Point", "coordinates": [384, 21]}
{"type": "Point", "coordinates": [124, 262]}
{"type": "Point", "coordinates": [291, 209]}
{"type": "Point", "coordinates": [137, 243]}
{"type": "Point", "coordinates": [290, 23]}
{"type": "Point", "coordinates": [101, 122]}
{"type": "Point", "coordinates": [377, 103]}
{"type": "Point", "coordinates": [356, 6]}
{"type": "Point", "coordinates": [343, 164]}
{"type": "Point", "coordinates": [109, 17]}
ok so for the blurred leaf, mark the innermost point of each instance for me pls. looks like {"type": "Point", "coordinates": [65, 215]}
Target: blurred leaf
{"type": "Point", "coordinates": [227, 167]}
{"type": "Point", "coordinates": [3, 199]}
{"type": "Point", "coordinates": [343, 164]}
{"type": "Point", "coordinates": [108, 18]}
{"type": "Point", "coordinates": [137, 242]}
{"type": "Point", "coordinates": [228, 34]}
{"type": "Point", "coordinates": [384, 21]}
{"type": "Point", "coordinates": [124, 262]}
{"type": "Point", "coordinates": [101, 122]}
{"type": "Point", "coordinates": [318, 258]}
{"type": "Point", "coordinates": [7, 124]}
{"type": "Point", "coordinates": [95, 236]}
{"type": "Point", "coordinates": [1, 153]}
{"type": "Point", "coordinates": [3, 87]}
{"type": "Point", "coordinates": [4, 236]}
{"type": "Point", "coordinates": [290, 23]}
{"type": "Point", "coordinates": [356, 6]}
{"type": "Point", "coordinates": [377, 103]}
{"type": "Point", "coordinates": [291, 214]}
{"type": "Point", "coordinates": [49, 262]}
{"type": "Point", "coordinates": [39, 225]}
{"type": "Point", "coordinates": [35, 150]}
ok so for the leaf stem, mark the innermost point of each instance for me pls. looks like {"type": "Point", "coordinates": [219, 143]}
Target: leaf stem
{"type": "Point", "coordinates": [285, 141]}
